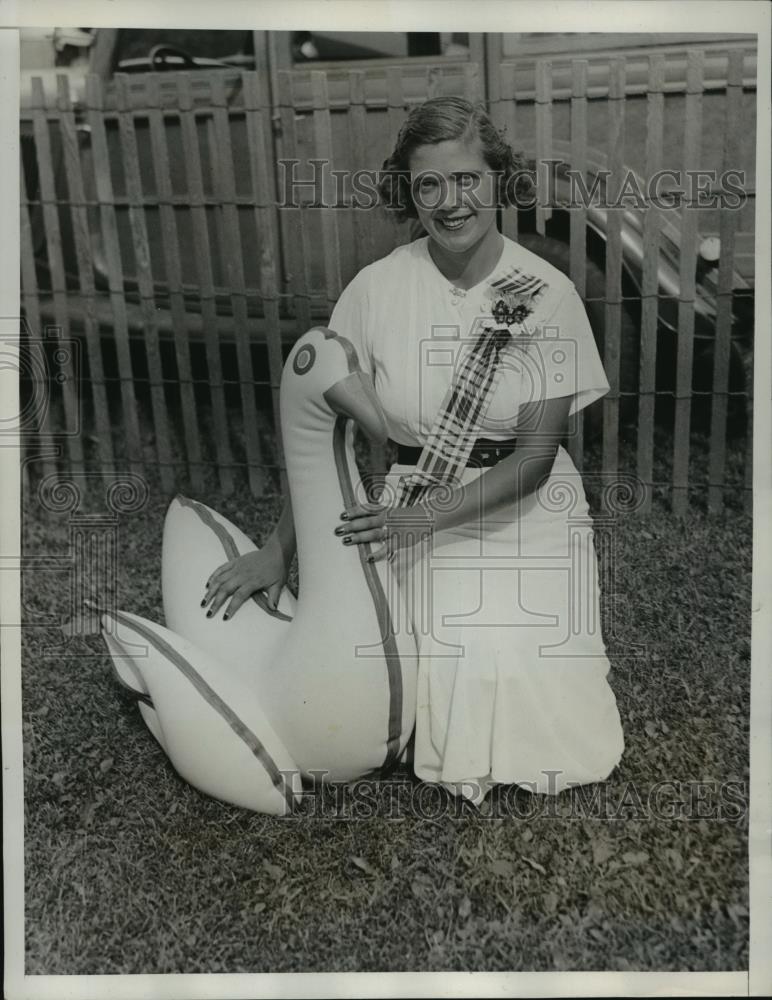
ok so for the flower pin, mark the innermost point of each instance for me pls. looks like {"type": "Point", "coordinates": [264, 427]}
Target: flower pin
{"type": "Point", "coordinates": [511, 308]}
{"type": "Point", "coordinates": [514, 295]}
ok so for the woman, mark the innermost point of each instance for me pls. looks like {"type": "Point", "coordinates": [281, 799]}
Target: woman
{"type": "Point", "coordinates": [504, 596]}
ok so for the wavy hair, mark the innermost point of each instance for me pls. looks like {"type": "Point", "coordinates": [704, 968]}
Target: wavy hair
{"type": "Point", "coordinates": [438, 120]}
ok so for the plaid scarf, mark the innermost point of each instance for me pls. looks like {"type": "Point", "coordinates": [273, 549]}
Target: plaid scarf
{"type": "Point", "coordinates": [452, 437]}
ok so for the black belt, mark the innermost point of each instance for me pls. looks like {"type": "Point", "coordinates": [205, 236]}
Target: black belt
{"type": "Point", "coordinates": [484, 452]}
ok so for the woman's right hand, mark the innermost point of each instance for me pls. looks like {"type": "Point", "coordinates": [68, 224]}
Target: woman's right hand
{"type": "Point", "coordinates": [239, 578]}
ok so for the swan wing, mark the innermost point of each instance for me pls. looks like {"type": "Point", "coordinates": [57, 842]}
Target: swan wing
{"type": "Point", "coordinates": [196, 540]}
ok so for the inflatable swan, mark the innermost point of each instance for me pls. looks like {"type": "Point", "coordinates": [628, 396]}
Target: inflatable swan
{"type": "Point", "coordinates": [322, 687]}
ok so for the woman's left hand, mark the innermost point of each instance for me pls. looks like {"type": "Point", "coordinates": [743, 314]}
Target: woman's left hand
{"type": "Point", "coordinates": [387, 528]}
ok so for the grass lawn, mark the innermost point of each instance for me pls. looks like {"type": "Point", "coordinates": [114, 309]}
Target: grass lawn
{"type": "Point", "coordinates": [130, 870]}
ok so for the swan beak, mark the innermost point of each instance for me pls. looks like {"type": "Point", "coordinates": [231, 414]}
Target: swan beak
{"type": "Point", "coordinates": [354, 397]}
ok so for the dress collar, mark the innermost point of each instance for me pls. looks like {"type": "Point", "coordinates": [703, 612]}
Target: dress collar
{"type": "Point", "coordinates": [460, 294]}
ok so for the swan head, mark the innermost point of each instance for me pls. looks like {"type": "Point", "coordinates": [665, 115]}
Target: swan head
{"type": "Point", "coordinates": [323, 369]}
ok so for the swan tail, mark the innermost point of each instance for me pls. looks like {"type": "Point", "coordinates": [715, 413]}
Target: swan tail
{"type": "Point", "coordinates": [153, 723]}
{"type": "Point", "coordinates": [128, 673]}
{"type": "Point", "coordinates": [125, 668]}
{"type": "Point", "coordinates": [209, 719]}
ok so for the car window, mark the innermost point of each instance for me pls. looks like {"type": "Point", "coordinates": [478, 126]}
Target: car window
{"type": "Point", "coordinates": [134, 45]}
{"type": "Point", "coordinates": [328, 46]}
{"type": "Point", "coordinates": [137, 43]}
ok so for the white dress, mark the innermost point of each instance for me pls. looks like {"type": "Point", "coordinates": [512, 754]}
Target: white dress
{"type": "Point", "coordinates": [512, 672]}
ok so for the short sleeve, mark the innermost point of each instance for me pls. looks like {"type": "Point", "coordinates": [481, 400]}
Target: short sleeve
{"type": "Point", "coordinates": [351, 315]}
{"type": "Point", "coordinates": [563, 356]}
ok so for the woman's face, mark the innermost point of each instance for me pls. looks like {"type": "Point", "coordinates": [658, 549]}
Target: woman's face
{"type": "Point", "coordinates": [454, 191]}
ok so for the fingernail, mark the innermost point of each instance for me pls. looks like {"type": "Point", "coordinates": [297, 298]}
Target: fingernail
{"type": "Point", "coordinates": [225, 617]}
{"type": "Point", "coordinates": [203, 602]}
{"type": "Point", "coordinates": [347, 540]}
{"type": "Point", "coordinates": [344, 516]}
{"type": "Point", "coordinates": [339, 530]}
{"type": "Point", "coordinates": [209, 614]}
{"type": "Point", "coordinates": [370, 559]}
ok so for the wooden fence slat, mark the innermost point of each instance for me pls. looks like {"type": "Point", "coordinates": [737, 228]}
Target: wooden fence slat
{"type": "Point", "coordinates": [48, 450]}
{"type": "Point", "coordinates": [216, 215]}
{"type": "Point", "coordinates": [323, 151]}
{"type": "Point", "coordinates": [543, 71]}
{"type": "Point", "coordinates": [112, 249]}
{"type": "Point", "coordinates": [270, 297]}
{"type": "Point", "coordinates": [357, 123]}
{"type": "Point", "coordinates": [362, 217]}
{"type": "Point", "coordinates": [433, 81]}
{"type": "Point", "coordinates": [82, 238]}
{"type": "Point", "coordinates": [70, 387]}
{"type": "Point", "coordinates": [613, 307]}
{"type": "Point", "coordinates": [748, 502]}
{"type": "Point", "coordinates": [266, 222]}
{"type": "Point", "coordinates": [257, 116]}
{"type": "Point", "coordinates": [722, 348]}
{"type": "Point", "coordinates": [144, 275]}
{"type": "Point", "coordinates": [395, 101]}
{"type": "Point", "coordinates": [290, 215]}
{"type": "Point", "coordinates": [173, 267]}
{"type": "Point", "coordinates": [472, 83]}
{"type": "Point", "coordinates": [488, 53]}
{"type": "Point", "coordinates": [195, 187]}
{"type": "Point", "coordinates": [649, 283]}
{"type": "Point", "coordinates": [687, 286]}
{"type": "Point", "coordinates": [578, 223]}
{"type": "Point", "coordinates": [508, 122]}
{"type": "Point", "coordinates": [721, 357]}
{"type": "Point", "coordinates": [477, 42]}
{"type": "Point", "coordinates": [396, 114]}
{"type": "Point", "coordinates": [225, 186]}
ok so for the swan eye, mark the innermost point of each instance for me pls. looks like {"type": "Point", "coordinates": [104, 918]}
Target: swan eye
{"type": "Point", "coordinates": [304, 359]}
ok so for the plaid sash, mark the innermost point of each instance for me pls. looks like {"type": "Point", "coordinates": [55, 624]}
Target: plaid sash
{"type": "Point", "coordinates": [454, 432]}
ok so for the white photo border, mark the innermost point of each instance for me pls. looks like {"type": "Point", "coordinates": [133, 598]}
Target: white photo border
{"type": "Point", "coordinates": [657, 16]}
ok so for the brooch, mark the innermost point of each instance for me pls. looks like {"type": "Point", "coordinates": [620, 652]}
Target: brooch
{"type": "Point", "coordinates": [514, 296]}
{"type": "Point", "coordinates": [510, 309]}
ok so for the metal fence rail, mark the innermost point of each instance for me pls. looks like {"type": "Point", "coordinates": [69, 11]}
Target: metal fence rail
{"type": "Point", "coordinates": [156, 234]}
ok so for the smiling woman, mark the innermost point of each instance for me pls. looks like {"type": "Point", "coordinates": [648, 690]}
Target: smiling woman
{"type": "Point", "coordinates": [479, 351]}
{"type": "Point", "coordinates": [457, 210]}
